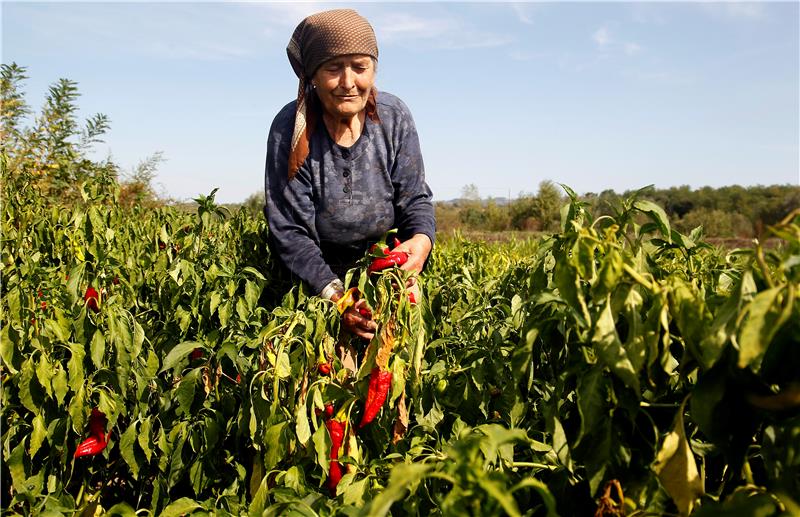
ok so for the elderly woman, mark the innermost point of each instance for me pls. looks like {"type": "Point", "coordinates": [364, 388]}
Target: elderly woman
{"type": "Point", "coordinates": [343, 162]}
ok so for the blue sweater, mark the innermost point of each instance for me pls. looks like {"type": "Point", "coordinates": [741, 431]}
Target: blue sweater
{"type": "Point", "coordinates": [344, 199]}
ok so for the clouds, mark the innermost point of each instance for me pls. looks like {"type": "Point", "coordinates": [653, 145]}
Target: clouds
{"type": "Point", "coordinates": [752, 11]}
{"type": "Point", "coordinates": [206, 32]}
{"type": "Point", "coordinates": [524, 12]}
{"type": "Point", "coordinates": [438, 28]}
{"type": "Point", "coordinates": [602, 37]}
{"type": "Point", "coordinates": [606, 42]}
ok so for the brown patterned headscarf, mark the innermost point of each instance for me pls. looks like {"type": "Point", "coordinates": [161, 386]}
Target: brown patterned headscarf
{"type": "Point", "coordinates": [317, 39]}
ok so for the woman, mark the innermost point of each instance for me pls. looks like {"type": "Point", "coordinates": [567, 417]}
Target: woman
{"type": "Point", "coordinates": [343, 162]}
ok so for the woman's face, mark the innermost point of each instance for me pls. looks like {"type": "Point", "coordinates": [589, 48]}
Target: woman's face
{"type": "Point", "coordinates": [344, 83]}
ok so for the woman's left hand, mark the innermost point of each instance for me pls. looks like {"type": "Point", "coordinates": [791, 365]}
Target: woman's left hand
{"type": "Point", "coordinates": [418, 248]}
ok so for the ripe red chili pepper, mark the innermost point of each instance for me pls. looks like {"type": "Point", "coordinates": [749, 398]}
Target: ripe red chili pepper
{"type": "Point", "coordinates": [336, 431]}
{"type": "Point", "coordinates": [393, 258]}
{"type": "Point", "coordinates": [195, 354]}
{"type": "Point", "coordinates": [92, 299]}
{"type": "Point", "coordinates": [411, 298]}
{"type": "Point", "coordinates": [91, 446]}
{"type": "Point", "coordinates": [98, 439]}
{"type": "Point", "coordinates": [97, 423]}
{"type": "Point", "coordinates": [379, 383]}
{"type": "Point", "coordinates": [324, 368]}
{"type": "Point", "coordinates": [115, 281]}
{"type": "Point", "coordinates": [161, 245]}
{"type": "Point", "coordinates": [365, 312]}
{"type": "Point", "coordinates": [396, 243]}
{"type": "Point", "coordinates": [44, 305]}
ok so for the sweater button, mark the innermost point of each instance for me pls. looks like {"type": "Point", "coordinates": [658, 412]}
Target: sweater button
{"type": "Point", "coordinates": [346, 173]}
{"type": "Point", "coordinates": [346, 190]}
{"type": "Point", "coordinates": [345, 153]}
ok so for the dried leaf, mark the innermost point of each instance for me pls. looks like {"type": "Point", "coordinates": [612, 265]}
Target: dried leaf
{"type": "Point", "coordinates": [387, 344]}
{"type": "Point", "coordinates": [401, 423]}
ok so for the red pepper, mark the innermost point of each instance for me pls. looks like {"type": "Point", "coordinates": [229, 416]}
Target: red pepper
{"type": "Point", "coordinates": [97, 423]}
{"type": "Point", "coordinates": [91, 446]}
{"type": "Point", "coordinates": [365, 312]}
{"type": "Point", "coordinates": [324, 368]}
{"type": "Point", "coordinates": [393, 258]}
{"type": "Point", "coordinates": [92, 299]}
{"type": "Point", "coordinates": [98, 439]}
{"type": "Point", "coordinates": [380, 248]}
{"type": "Point", "coordinates": [411, 298]}
{"type": "Point", "coordinates": [379, 383]}
{"type": "Point", "coordinates": [195, 354]}
{"type": "Point", "coordinates": [336, 430]}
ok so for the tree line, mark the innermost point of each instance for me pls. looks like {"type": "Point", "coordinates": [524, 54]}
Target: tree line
{"type": "Point", "coordinates": [725, 212]}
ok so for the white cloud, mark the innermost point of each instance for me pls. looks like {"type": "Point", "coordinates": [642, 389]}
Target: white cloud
{"type": "Point", "coordinates": [524, 12]}
{"type": "Point", "coordinates": [736, 10]}
{"type": "Point", "coordinates": [164, 31]}
{"type": "Point", "coordinates": [609, 45]}
{"type": "Point", "coordinates": [631, 48]}
{"type": "Point", "coordinates": [398, 26]}
{"type": "Point", "coordinates": [439, 30]}
{"type": "Point", "coordinates": [602, 36]}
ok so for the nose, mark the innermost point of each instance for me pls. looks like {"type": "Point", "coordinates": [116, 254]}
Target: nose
{"type": "Point", "coordinates": [347, 78]}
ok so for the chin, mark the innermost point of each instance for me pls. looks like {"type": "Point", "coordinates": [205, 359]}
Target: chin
{"type": "Point", "coordinates": [349, 111]}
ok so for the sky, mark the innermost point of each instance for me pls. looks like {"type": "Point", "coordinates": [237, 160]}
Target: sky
{"type": "Point", "coordinates": [596, 96]}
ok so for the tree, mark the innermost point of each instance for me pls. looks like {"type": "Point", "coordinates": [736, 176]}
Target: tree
{"type": "Point", "coordinates": [137, 187]}
{"type": "Point", "coordinates": [255, 203]}
{"type": "Point", "coordinates": [49, 159]}
{"type": "Point", "coordinates": [470, 192]}
{"type": "Point", "coordinates": [547, 207]}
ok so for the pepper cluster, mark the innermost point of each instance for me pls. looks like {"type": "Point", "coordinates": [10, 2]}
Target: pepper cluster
{"type": "Point", "coordinates": [379, 286]}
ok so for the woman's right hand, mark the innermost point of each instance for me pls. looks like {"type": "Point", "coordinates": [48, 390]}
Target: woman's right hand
{"type": "Point", "coordinates": [355, 323]}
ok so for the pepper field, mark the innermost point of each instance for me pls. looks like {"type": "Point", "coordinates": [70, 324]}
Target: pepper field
{"type": "Point", "coordinates": [617, 367]}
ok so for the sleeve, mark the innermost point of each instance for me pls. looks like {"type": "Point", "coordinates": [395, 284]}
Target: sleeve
{"type": "Point", "coordinates": [291, 212]}
{"type": "Point", "coordinates": [413, 203]}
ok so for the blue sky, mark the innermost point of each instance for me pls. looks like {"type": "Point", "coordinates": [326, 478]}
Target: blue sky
{"type": "Point", "coordinates": [594, 95]}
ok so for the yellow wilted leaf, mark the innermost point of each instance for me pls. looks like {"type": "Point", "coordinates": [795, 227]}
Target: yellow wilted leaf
{"type": "Point", "coordinates": [676, 467]}
{"type": "Point", "coordinates": [347, 300]}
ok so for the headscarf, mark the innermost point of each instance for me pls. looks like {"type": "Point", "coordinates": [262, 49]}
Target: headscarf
{"type": "Point", "coordinates": [318, 38]}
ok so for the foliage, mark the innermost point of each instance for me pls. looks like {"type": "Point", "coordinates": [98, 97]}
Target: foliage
{"type": "Point", "coordinates": [535, 375]}
{"type": "Point", "coordinates": [725, 212]}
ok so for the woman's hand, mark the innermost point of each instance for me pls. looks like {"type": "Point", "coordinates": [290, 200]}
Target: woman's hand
{"type": "Point", "coordinates": [418, 248]}
{"type": "Point", "coordinates": [355, 323]}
